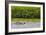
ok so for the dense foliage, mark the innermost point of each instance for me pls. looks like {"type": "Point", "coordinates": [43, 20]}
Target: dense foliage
{"type": "Point", "coordinates": [25, 12]}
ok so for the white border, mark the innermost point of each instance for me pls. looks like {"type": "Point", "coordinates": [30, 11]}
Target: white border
{"type": "Point", "coordinates": [27, 29]}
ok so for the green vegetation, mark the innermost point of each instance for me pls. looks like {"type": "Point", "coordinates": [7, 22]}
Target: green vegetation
{"type": "Point", "coordinates": [21, 13]}
{"type": "Point", "coordinates": [25, 12]}
{"type": "Point", "coordinates": [25, 20]}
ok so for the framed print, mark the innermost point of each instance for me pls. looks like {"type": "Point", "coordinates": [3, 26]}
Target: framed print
{"type": "Point", "coordinates": [24, 17]}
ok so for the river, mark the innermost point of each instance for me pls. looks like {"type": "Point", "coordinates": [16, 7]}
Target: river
{"type": "Point", "coordinates": [26, 25]}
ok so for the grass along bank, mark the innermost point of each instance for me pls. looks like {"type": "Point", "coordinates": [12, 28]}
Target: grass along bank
{"type": "Point", "coordinates": [25, 20]}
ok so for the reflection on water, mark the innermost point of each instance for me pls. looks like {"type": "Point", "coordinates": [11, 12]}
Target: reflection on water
{"type": "Point", "coordinates": [25, 25]}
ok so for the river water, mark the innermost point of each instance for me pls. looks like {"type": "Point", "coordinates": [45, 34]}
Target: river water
{"type": "Point", "coordinates": [26, 25]}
